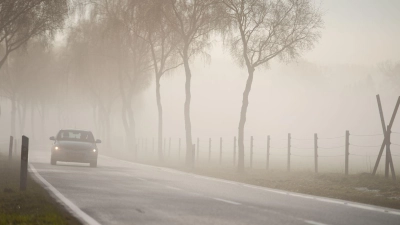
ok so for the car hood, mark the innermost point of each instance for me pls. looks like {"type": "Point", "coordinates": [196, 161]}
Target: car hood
{"type": "Point", "coordinates": [75, 145]}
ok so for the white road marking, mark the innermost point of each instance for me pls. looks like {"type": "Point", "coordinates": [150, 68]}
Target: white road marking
{"type": "Point", "coordinates": [75, 210]}
{"type": "Point", "coordinates": [314, 223]}
{"type": "Point", "coordinates": [329, 200]}
{"type": "Point", "coordinates": [141, 179]}
{"type": "Point", "coordinates": [305, 196]}
{"type": "Point", "coordinates": [227, 201]}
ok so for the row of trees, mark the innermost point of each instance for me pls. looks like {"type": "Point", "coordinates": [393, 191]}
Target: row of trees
{"type": "Point", "coordinates": [114, 47]}
{"type": "Point", "coordinates": [26, 25]}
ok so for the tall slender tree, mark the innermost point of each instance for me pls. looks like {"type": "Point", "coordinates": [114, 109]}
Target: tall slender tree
{"type": "Point", "coordinates": [193, 22]}
{"type": "Point", "coordinates": [261, 30]}
{"type": "Point", "coordinates": [163, 43]}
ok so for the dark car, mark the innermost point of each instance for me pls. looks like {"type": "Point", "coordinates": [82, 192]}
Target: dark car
{"type": "Point", "coordinates": [74, 146]}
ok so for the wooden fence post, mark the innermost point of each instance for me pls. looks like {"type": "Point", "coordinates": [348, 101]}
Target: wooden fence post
{"type": "Point", "coordinates": [234, 151]}
{"type": "Point", "coordinates": [288, 154]}
{"type": "Point", "coordinates": [24, 163]}
{"type": "Point", "coordinates": [220, 151]}
{"type": "Point", "coordinates": [268, 149]}
{"type": "Point", "coordinates": [198, 148]}
{"type": "Point", "coordinates": [316, 152]}
{"type": "Point", "coordinates": [10, 148]}
{"type": "Point", "coordinates": [346, 154]}
{"type": "Point", "coordinates": [251, 152]}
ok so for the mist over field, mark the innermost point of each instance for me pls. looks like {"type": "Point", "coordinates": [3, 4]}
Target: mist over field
{"type": "Point", "coordinates": [327, 89]}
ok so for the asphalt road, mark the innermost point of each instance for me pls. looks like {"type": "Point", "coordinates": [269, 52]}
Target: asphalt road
{"type": "Point", "coordinates": [120, 192]}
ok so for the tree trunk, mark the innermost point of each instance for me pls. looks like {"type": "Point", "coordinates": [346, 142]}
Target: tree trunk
{"type": "Point", "coordinates": [243, 113]}
{"type": "Point", "coordinates": [188, 125]}
{"type": "Point", "coordinates": [160, 119]}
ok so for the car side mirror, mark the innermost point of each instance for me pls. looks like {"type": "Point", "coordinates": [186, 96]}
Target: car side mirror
{"type": "Point", "coordinates": [52, 138]}
{"type": "Point", "coordinates": [98, 141]}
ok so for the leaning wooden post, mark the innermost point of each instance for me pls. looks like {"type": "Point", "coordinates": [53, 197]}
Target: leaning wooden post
{"type": "Point", "coordinates": [234, 151]}
{"type": "Point", "coordinates": [198, 148]}
{"type": "Point", "coordinates": [268, 149]}
{"type": "Point", "coordinates": [383, 127]}
{"type": "Point", "coordinates": [24, 163]}
{"type": "Point", "coordinates": [316, 152]}
{"type": "Point", "coordinates": [288, 153]}
{"type": "Point", "coordinates": [251, 152]}
{"type": "Point", "coordinates": [346, 154]}
{"type": "Point", "coordinates": [387, 161]}
{"type": "Point", "coordinates": [10, 148]}
{"type": "Point", "coordinates": [209, 150]}
{"type": "Point", "coordinates": [220, 151]}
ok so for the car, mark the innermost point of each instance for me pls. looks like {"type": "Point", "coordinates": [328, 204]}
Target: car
{"type": "Point", "coordinates": [74, 146]}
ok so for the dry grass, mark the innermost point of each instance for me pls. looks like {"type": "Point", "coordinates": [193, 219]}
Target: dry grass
{"type": "Point", "coordinates": [363, 188]}
{"type": "Point", "coordinates": [33, 206]}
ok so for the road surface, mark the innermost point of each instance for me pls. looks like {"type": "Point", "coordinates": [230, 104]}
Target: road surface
{"type": "Point", "coordinates": [120, 192]}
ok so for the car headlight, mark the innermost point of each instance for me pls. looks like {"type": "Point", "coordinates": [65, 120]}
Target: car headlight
{"type": "Point", "coordinates": [94, 150]}
{"type": "Point", "coordinates": [56, 148]}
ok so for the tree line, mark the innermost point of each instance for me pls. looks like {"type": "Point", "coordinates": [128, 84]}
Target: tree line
{"type": "Point", "coordinates": [115, 48]}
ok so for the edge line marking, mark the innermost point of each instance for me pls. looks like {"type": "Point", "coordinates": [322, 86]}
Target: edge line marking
{"type": "Point", "coordinates": [71, 207]}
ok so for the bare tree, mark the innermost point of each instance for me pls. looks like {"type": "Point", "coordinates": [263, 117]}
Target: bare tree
{"type": "Point", "coordinates": [163, 43]}
{"type": "Point", "coordinates": [111, 37]}
{"type": "Point", "coordinates": [20, 20]}
{"type": "Point", "coordinates": [262, 30]}
{"type": "Point", "coordinates": [193, 21]}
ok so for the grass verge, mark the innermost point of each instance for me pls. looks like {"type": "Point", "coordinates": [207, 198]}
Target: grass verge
{"type": "Point", "coordinates": [33, 206]}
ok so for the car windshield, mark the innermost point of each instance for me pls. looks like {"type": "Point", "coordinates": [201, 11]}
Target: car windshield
{"type": "Point", "coordinates": [74, 135]}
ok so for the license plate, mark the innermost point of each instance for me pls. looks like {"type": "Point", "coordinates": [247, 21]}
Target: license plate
{"type": "Point", "coordinates": [75, 155]}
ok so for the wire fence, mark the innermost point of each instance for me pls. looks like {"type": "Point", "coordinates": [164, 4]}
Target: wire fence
{"type": "Point", "coordinates": [288, 150]}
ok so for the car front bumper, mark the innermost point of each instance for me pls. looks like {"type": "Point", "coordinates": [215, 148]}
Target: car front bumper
{"type": "Point", "coordinates": [74, 156]}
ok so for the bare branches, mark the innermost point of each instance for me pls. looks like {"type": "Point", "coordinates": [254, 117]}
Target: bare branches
{"type": "Point", "coordinates": [21, 20]}
{"type": "Point", "coordinates": [274, 28]}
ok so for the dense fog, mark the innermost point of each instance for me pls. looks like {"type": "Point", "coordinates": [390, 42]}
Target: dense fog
{"type": "Point", "coordinates": [73, 82]}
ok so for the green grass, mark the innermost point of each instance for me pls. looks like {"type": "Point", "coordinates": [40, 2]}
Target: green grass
{"type": "Point", "coordinates": [33, 206]}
